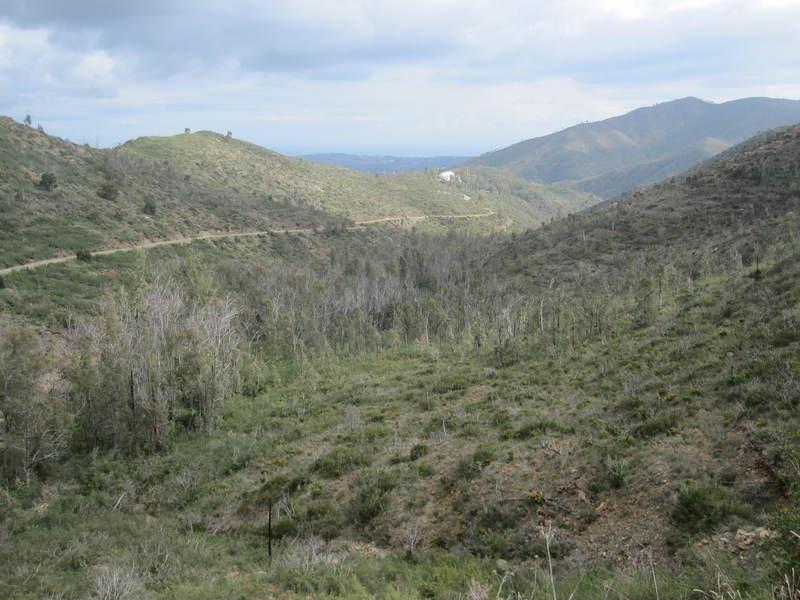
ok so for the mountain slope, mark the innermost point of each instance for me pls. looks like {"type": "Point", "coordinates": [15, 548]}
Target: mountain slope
{"type": "Point", "coordinates": [648, 144]}
{"type": "Point", "coordinates": [186, 185]}
{"type": "Point", "coordinates": [617, 391]}
{"type": "Point", "coordinates": [730, 199]}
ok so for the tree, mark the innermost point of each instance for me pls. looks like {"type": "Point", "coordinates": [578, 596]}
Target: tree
{"type": "Point", "coordinates": [153, 362]}
{"type": "Point", "coordinates": [28, 121]}
{"type": "Point", "coordinates": [48, 182]}
{"type": "Point", "coordinates": [187, 130]}
{"type": "Point", "coordinates": [83, 256]}
{"type": "Point", "coordinates": [2, 283]}
{"type": "Point", "coordinates": [149, 207]}
{"type": "Point", "coordinates": [36, 422]}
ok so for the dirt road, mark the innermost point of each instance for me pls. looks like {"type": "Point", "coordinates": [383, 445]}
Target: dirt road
{"type": "Point", "coordinates": [239, 234]}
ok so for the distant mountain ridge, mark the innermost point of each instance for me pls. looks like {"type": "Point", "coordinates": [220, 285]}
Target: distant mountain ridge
{"type": "Point", "coordinates": [610, 157]}
{"type": "Point", "coordinates": [386, 165]}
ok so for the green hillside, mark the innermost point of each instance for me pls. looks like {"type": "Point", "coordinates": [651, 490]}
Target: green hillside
{"type": "Point", "coordinates": [619, 154]}
{"type": "Point", "coordinates": [185, 185]}
{"type": "Point", "coordinates": [605, 405]}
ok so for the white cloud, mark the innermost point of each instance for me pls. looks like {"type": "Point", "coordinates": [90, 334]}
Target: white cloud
{"type": "Point", "coordinates": [455, 75]}
{"type": "Point", "coordinates": [95, 67]}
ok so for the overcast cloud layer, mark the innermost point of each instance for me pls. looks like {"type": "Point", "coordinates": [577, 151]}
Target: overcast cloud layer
{"type": "Point", "coordinates": [404, 77]}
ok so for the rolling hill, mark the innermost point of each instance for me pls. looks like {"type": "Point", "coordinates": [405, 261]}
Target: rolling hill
{"type": "Point", "coordinates": [616, 155]}
{"type": "Point", "coordinates": [191, 184]}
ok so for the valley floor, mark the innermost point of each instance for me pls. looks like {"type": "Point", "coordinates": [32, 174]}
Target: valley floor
{"type": "Point", "coordinates": [434, 472]}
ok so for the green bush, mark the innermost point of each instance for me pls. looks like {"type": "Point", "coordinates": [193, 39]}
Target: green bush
{"type": "Point", "coordinates": [83, 255]}
{"type": "Point", "coordinates": [372, 496]}
{"type": "Point", "coordinates": [787, 524]}
{"type": "Point", "coordinates": [48, 182]}
{"type": "Point", "coordinates": [472, 466]}
{"type": "Point", "coordinates": [612, 475]}
{"type": "Point", "coordinates": [658, 425]}
{"type": "Point", "coordinates": [702, 509]}
{"type": "Point", "coordinates": [341, 460]}
{"type": "Point", "coordinates": [417, 452]}
{"type": "Point", "coordinates": [108, 191]}
{"type": "Point", "coordinates": [320, 517]}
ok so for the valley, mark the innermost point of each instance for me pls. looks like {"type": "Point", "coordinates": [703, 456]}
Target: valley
{"type": "Point", "coordinates": [432, 405]}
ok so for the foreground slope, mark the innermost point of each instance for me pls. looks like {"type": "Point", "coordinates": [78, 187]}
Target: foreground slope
{"type": "Point", "coordinates": [189, 185]}
{"type": "Point", "coordinates": [612, 156]}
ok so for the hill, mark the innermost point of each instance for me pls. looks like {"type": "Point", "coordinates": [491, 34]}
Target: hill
{"type": "Point", "coordinates": [616, 155]}
{"type": "Point", "coordinates": [605, 405]}
{"type": "Point", "coordinates": [187, 185]}
{"type": "Point", "coordinates": [385, 165]}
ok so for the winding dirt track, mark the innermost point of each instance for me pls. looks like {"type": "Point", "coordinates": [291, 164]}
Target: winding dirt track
{"type": "Point", "coordinates": [239, 234]}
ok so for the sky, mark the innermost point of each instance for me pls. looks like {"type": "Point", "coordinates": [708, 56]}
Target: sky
{"type": "Point", "coordinates": [410, 77]}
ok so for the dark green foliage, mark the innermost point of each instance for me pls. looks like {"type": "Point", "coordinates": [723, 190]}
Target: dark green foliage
{"type": "Point", "coordinates": [611, 475]}
{"type": "Point", "coordinates": [472, 466]}
{"type": "Point", "coordinates": [417, 452]}
{"type": "Point", "coordinates": [149, 207]}
{"type": "Point", "coordinates": [506, 530]}
{"type": "Point", "coordinates": [285, 527]}
{"type": "Point", "coordinates": [702, 509]}
{"type": "Point", "coordinates": [657, 425]}
{"type": "Point", "coordinates": [48, 182]}
{"type": "Point", "coordinates": [321, 517]}
{"type": "Point", "coordinates": [341, 460]}
{"type": "Point", "coordinates": [787, 523]}
{"type": "Point", "coordinates": [108, 191]}
{"type": "Point", "coordinates": [371, 496]}
{"type": "Point", "coordinates": [83, 255]}
{"type": "Point", "coordinates": [532, 429]}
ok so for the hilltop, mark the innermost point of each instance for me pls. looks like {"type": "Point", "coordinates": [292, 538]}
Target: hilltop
{"type": "Point", "coordinates": [192, 184]}
{"type": "Point", "coordinates": [619, 154]}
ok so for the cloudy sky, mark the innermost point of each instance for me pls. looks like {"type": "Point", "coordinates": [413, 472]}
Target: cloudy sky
{"type": "Point", "coordinates": [412, 77]}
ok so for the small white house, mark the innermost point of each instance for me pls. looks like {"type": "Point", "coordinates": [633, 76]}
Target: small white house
{"type": "Point", "coordinates": [447, 176]}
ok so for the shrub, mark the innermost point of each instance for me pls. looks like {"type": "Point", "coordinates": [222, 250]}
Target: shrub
{"type": "Point", "coordinates": [149, 207]}
{"type": "Point", "coordinates": [320, 518]}
{"type": "Point", "coordinates": [416, 452]}
{"type": "Point", "coordinates": [108, 191]}
{"type": "Point", "coordinates": [2, 282]}
{"type": "Point", "coordinates": [339, 461]}
{"type": "Point", "coordinates": [665, 423]}
{"type": "Point", "coordinates": [83, 255]}
{"type": "Point", "coordinates": [117, 583]}
{"type": "Point", "coordinates": [787, 523]}
{"type": "Point", "coordinates": [472, 466]}
{"type": "Point", "coordinates": [372, 497]}
{"type": "Point", "coordinates": [285, 527]}
{"type": "Point", "coordinates": [701, 509]}
{"type": "Point", "coordinates": [612, 475]}
{"type": "Point", "coordinates": [48, 182]}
